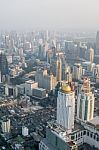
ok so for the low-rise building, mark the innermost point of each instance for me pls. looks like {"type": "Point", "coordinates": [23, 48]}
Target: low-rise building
{"type": "Point", "coordinates": [39, 93]}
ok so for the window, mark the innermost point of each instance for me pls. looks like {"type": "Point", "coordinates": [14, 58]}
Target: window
{"type": "Point", "coordinates": [97, 138]}
{"type": "Point", "coordinates": [87, 133]}
{"type": "Point", "coordinates": [72, 137]}
{"type": "Point", "coordinates": [81, 133]}
{"type": "Point", "coordinates": [91, 135]}
{"type": "Point", "coordinates": [84, 133]}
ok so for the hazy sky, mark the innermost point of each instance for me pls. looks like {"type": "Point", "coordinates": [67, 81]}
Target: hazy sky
{"type": "Point", "coordinates": [51, 14]}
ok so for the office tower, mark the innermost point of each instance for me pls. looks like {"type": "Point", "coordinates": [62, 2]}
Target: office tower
{"type": "Point", "coordinates": [5, 125]}
{"type": "Point", "coordinates": [77, 71]}
{"type": "Point", "coordinates": [82, 51]}
{"type": "Point", "coordinates": [45, 49]}
{"type": "Point", "coordinates": [90, 55]}
{"type": "Point", "coordinates": [7, 38]}
{"type": "Point", "coordinates": [96, 73]}
{"type": "Point", "coordinates": [97, 44]}
{"type": "Point", "coordinates": [49, 56]}
{"type": "Point", "coordinates": [59, 69]}
{"type": "Point", "coordinates": [69, 47]}
{"type": "Point", "coordinates": [66, 107]}
{"type": "Point", "coordinates": [45, 80]}
{"type": "Point", "coordinates": [3, 67]}
{"type": "Point", "coordinates": [85, 102]}
{"type": "Point", "coordinates": [66, 73]}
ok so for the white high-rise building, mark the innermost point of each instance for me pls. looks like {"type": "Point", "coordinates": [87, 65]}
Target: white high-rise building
{"type": "Point", "coordinates": [66, 107]}
{"type": "Point", "coordinates": [85, 102]}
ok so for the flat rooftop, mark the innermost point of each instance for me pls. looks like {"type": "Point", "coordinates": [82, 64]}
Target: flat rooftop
{"type": "Point", "coordinates": [95, 121]}
{"type": "Point", "coordinates": [39, 89]}
{"type": "Point", "coordinates": [30, 82]}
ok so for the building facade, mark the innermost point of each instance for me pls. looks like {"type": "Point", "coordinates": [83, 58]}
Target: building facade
{"type": "Point", "coordinates": [85, 102]}
{"type": "Point", "coordinates": [66, 107]}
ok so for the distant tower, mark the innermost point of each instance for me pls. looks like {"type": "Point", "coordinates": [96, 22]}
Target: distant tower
{"type": "Point", "coordinates": [66, 107]}
{"type": "Point", "coordinates": [85, 102]}
{"type": "Point", "coordinates": [77, 71]}
{"type": "Point", "coordinates": [97, 43]}
{"type": "Point", "coordinates": [59, 69]}
{"type": "Point", "coordinates": [90, 55]}
{"type": "Point", "coordinates": [3, 67]}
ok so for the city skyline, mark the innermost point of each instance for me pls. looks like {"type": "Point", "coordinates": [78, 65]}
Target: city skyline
{"type": "Point", "coordinates": [59, 15]}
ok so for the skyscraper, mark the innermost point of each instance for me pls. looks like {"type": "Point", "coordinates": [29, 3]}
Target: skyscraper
{"type": "Point", "coordinates": [77, 71]}
{"type": "Point", "coordinates": [3, 67]}
{"type": "Point", "coordinates": [59, 69]}
{"type": "Point", "coordinates": [90, 55]}
{"type": "Point", "coordinates": [97, 43]}
{"type": "Point", "coordinates": [85, 102]}
{"type": "Point", "coordinates": [66, 107]}
{"type": "Point", "coordinates": [57, 133]}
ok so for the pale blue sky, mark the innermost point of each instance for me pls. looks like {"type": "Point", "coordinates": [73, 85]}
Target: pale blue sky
{"type": "Point", "coordinates": [53, 14]}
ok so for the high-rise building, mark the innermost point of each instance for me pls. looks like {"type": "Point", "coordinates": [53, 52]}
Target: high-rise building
{"type": "Point", "coordinates": [3, 67]}
{"type": "Point", "coordinates": [85, 102]}
{"type": "Point", "coordinates": [45, 80]}
{"type": "Point", "coordinates": [59, 69]}
{"type": "Point", "coordinates": [66, 107]}
{"type": "Point", "coordinates": [57, 133]}
{"type": "Point", "coordinates": [77, 71]}
{"type": "Point", "coordinates": [97, 43]}
{"type": "Point", "coordinates": [90, 55]}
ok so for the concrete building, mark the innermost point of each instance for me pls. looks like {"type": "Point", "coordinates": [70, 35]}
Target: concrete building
{"type": "Point", "coordinates": [11, 90]}
{"type": "Point", "coordinates": [56, 139]}
{"type": "Point", "coordinates": [90, 55]}
{"type": "Point", "coordinates": [84, 132]}
{"type": "Point", "coordinates": [66, 107]}
{"type": "Point", "coordinates": [29, 86]}
{"type": "Point", "coordinates": [4, 68]}
{"type": "Point", "coordinates": [44, 80]}
{"type": "Point", "coordinates": [21, 89]}
{"type": "Point", "coordinates": [85, 102]}
{"type": "Point", "coordinates": [39, 93]}
{"type": "Point", "coordinates": [25, 131]}
{"type": "Point", "coordinates": [77, 71]}
{"type": "Point", "coordinates": [5, 125]}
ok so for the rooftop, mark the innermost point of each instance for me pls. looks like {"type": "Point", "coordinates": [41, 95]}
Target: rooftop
{"type": "Point", "coordinates": [95, 122]}
{"type": "Point", "coordinates": [30, 82]}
